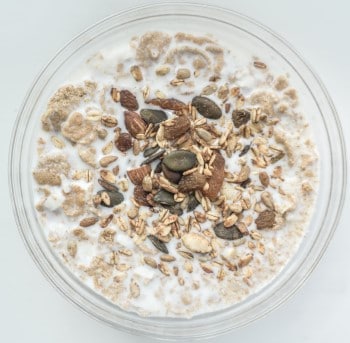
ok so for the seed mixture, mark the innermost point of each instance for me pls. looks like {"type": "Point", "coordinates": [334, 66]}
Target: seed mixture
{"type": "Point", "coordinates": [171, 179]}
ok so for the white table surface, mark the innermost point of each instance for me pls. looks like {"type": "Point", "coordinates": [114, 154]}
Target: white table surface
{"type": "Point", "coordinates": [30, 309]}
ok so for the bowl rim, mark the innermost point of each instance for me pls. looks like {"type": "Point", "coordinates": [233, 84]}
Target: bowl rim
{"type": "Point", "coordinates": [18, 207]}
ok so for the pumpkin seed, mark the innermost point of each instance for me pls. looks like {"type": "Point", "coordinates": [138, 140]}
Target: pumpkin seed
{"type": "Point", "coordinates": [165, 198]}
{"type": "Point", "coordinates": [192, 203]}
{"type": "Point", "coordinates": [158, 244]}
{"type": "Point", "coordinates": [153, 157]}
{"type": "Point", "coordinates": [206, 107]}
{"type": "Point", "coordinates": [172, 176]}
{"type": "Point", "coordinates": [180, 160]}
{"type": "Point", "coordinates": [240, 117]}
{"type": "Point", "coordinates": [153, 116]}
{"type": "Point", "coordinates": [110, 198]}
{"type": "Point", "coordinates": [229, 233]}
{"type": "Point", "coordinates": [174, 209]}
{"type": "Point", "coordinates": [150, 151]}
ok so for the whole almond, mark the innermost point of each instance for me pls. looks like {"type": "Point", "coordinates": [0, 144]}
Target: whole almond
{"type": "Point", "coordinates": [137, 175]}
{"type": "Point", "coordinates": [134, 123]}
{"type": "Point", "coordinates": [176, 127]}
{"type": "Point", "coordinates": [217, 179]}
{"type": "Point", "coordinates": [123, 142]}
{"type": "Point", "coordinates": [128, 100]}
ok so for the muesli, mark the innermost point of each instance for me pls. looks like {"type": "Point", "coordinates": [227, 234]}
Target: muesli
{"type": "Point", "coordinates": [171, 179]}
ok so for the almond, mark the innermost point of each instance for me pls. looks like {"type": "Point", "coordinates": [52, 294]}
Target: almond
{"type": "Point", "coordinates": [140, 196]}
{"type": "Point", "coordinates": [192, 182]}
{"type": "Point", "coordinates": [136, 175]}
{"type": "Point", "coordinates": [134, 123]}
{"type": "Point", "coordinates": [168, 104]}
{"type": "Point", "coordinates": [217, 179]}
{"type": "Point", "coordinates": [176, 127]}
{"type": "Point", "coordinates": [123, 142]}
{"type": "Point", "coordinates": [128, 100]}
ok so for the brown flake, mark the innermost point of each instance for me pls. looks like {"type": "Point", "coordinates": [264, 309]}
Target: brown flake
{"type": "Point", "coordinates": [265, 220]}
{"type": "Point", "coordinates": [74, 203]}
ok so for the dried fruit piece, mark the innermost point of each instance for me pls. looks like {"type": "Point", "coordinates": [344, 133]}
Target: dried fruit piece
{"type": "Point", "coordinates": [164, 197]}
{"type": "Point", "coordinates": [172, 176]}
{"type": "Point", "coordinates": [136, 175]}
{"type": "Point", "coordinates": [176, 127]}
{"type": "Point", "coordinates": [206, 107]}
{"type": "Point", "coordinates": [168, 104]}
{"type": "Point", "coordinates": [216, 180]}
{"type": "Point", "coordinates": [136, 73]}
{"type": "Point", "coordinates": [158, 244]}
{"type": "Point", "coordinates": [151, 116]}
{"type": "Point", "coordinates": [110, 198]}
{"type": "Point", "coordinates": [134, 123]}
{"type": "Point", "coordinates": [240, 117]}
{"type": "Point", "coordinates": [265, 220]}
{"type": "Point", "coordinates": [128, 100]}
{"type": "Point", "coordinates": [192, 182]}
{"type": "Point", "coordinates": [229, 233]}
{"type": "Point", "coordinates": [123, 142]}
{"type": "Point", "coordinates": [180, 160]}
{"type": "Point", "coordinates": [196, 243]}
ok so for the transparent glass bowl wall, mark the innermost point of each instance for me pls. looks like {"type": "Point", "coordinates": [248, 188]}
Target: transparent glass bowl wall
{"type": "Point", "coordinates": [238, 32]}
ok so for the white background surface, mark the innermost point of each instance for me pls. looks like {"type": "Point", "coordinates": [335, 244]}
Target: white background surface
{"type": "Point", "coordinates": [30, 309]}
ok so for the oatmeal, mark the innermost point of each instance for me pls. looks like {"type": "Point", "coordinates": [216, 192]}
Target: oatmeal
{"type": "Point", "coordinates": [172, 177]}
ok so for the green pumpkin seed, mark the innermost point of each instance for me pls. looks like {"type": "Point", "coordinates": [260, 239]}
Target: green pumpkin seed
{"type": "Point", "coordinates": [229, 233]}
{"type": "Point", "coordinates": [158, 244]}
{"type": "Point", "coordinates": [165, 198]}
{"type": "Point", "coordinates": [206, 107]}
{"type": "Point", "coordinates": [180, 160]}
{"type": "Point", "coordinates": [153, 116]}
{"type": "Point", "coordinates": [192, 203]}
{"type": "Point", "coordinates": [153, 157]}
{"type": "Point", "coordinates": [110, 198]}
{"type": "Point", "coordinates": [240, 117]}
{"type": "Point", "coordinates": [150, 151]}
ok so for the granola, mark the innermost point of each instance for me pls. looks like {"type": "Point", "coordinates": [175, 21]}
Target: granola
{"type": "Point", "coordinates": [175, 182]}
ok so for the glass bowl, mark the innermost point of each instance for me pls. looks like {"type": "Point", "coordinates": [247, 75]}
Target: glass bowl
{"type": "Point", "coordinates": [238, 31]}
